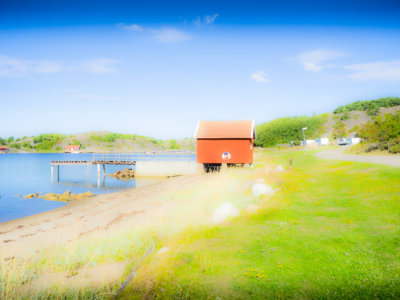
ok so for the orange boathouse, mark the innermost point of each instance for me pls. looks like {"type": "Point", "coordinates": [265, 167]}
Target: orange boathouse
{"type": "Point", "coordinates": [229, 142]}
{"type": "Point", "coordinates": [3, 149]}
{"type": "Point", "coordinates": [72, 149]}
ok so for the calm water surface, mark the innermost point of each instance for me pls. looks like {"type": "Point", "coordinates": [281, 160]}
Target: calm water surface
{"type": "Point", "coordinates": [22, 174]}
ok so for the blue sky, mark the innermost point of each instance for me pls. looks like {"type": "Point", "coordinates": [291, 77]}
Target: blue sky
{"type": "Point", "coordinates": [156, 68]}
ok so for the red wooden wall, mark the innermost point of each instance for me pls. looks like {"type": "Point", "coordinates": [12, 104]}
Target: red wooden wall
{"type": "Point", "coordinates": [211, 151]}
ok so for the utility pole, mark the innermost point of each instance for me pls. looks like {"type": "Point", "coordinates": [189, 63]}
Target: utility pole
{"type": "Point", "coordinates": [304, 140]}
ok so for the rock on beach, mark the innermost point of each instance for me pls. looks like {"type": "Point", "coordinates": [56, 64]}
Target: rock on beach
{"type": "Point", "coordinates": [124, 174]}
{"type": "Point", "coordinates": [64, 197]}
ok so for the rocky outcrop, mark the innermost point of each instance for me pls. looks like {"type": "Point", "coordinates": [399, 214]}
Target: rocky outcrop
{"type": "Point", "coordinates": [124, 174]}
{"type": "Point", "coordinates": [30, 196]}
{"type": "Point", "coordinates": [64, 197]}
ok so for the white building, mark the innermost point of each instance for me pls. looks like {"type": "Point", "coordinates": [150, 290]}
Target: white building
{"type": "Point", "coordinates": [323, 141]}
{"type": "Point", "coordinates": [353, 141]}
{"type": "Point", "coordinates": [309, 142]}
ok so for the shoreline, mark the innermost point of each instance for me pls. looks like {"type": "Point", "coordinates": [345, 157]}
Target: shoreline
{"type": "Point", "coordinates": [78, 219]}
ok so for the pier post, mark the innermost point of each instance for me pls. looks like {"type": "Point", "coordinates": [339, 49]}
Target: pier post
{"type": "Point", "coordinates": [58, 173]}
{"type": "Point", "coordinates": [98, 175]}
{"type": "Point", "coordinates": [52, 174]}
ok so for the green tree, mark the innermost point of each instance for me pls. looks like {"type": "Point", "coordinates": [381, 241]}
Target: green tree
{"type": "Point", "coordinates": [284, 130]}
{"type": "Point", "coordinates": [383, 130]}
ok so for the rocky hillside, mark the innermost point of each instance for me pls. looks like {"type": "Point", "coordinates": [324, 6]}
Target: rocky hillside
{"type": "Point", "coordinates": [95, 142]}
{"type": "Point", "coordinates": [346, 124]}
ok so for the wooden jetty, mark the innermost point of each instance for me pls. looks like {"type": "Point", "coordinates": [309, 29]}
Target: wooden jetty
{"type": "Point", "coordinates": [122, 159]}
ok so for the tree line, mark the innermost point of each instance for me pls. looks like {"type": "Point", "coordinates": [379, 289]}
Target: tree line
{"type": "Point", "coordinates": [289, 129]}
{"type": "Point", "coordinates": [370, 106]}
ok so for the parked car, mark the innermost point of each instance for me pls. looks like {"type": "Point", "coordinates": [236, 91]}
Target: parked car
{"type": "Point", "coordinates": [343, 142]}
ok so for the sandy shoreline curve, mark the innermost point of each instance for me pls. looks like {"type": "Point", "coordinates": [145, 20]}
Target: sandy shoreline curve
{"type": "Point", "coordinates": [79, 219]}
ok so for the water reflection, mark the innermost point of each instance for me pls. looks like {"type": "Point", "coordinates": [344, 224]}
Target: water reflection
{"type": "Point", "coordinates": [130, 183]}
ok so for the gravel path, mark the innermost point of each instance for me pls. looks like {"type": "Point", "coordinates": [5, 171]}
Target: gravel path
{"type": "Point", "coordinates": [390, 160]}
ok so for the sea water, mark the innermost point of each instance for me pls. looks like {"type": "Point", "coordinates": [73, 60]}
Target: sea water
{"type": "Point", "coordinates": [22, 174]}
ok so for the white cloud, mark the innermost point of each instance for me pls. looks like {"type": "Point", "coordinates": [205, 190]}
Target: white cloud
{"type": "Point", "coordinates": [259, 77]}
{"type": "Point", "coordinates": [48, 67]}
{"type": "Point", "coordinates": [164, 35]}
{"type": "Point", "coordinates": [12, 67]}
{"type": "Point", "coordinates": [16, 67]}
{"type": "Point", "coordinates": [315, 60]}
{"type": "Point", "coordinates": [90, 97]}
{"type": "Point", "coordinates": [99, 66]}
{"type": "Point", "coordinates": [169, 35]}
{"type": "Point", "coordinates": [133, 27]}
{"type": "Point", "coordinates": [205, 20]}
{"type": "Point", "coordinates": [385, 70]}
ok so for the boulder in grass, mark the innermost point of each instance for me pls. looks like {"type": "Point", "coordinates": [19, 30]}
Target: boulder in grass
{"type": "Point", "coordinates": [224, 211]}
{"type": "Point", "coordinates": [252, 208]}
{"type": "Point", "coordinates": [162, 250]}
{"type": "Point", "coordinates": [259, 189]}
{"type": "Point", "coordinates": [280, 168]}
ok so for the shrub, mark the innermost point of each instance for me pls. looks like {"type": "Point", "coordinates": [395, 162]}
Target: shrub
{"type": "Point", "coordinates": [382, 130]}
{"type": "Point", "coordinates": [345, 116]}
{"type": "Point", "coordinates": [173, 145]}
{"type": "Point", "coordinates": [26, 145]}
{"type": "Point", "coordinates": [15, 145]}
{"type": "Point", "coordinates": [339, 130]}
{"type": "Point", "coordinates": [46, 142]}
{"type": "Point", "coordinates": [394, 148]}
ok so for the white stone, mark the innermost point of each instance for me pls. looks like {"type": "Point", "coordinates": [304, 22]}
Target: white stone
{"type": "Point", "coordinates": [252, 208]}
{"type": "Point", "coordinates": [280, 168]}
{"type": "Point", "coordinates": [224, 211]}
{"type": "Point", "coordinates": [259, 189]}
{"type": "Point", "coordinates": [162, 250]}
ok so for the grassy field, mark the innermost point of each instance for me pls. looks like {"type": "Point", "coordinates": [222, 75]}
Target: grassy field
{"type": "Point", "coordinates": [332, 230]}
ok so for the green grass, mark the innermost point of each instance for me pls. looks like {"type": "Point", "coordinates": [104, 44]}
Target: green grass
{"type": "Point", "coordinates": [333, 233]}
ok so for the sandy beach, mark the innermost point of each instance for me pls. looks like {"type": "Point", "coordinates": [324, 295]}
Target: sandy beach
{"type": "Point", "coordinates": [101, 214]}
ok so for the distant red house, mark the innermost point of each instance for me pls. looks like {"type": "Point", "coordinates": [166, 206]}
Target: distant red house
{"type": "Point", "coordinates": [72, 149]}
{"type": "Point", "coordinates": [3, 149]}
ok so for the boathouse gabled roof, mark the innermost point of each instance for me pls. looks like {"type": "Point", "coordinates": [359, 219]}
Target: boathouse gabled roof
{"type": "Point", "coordinates": [225, 130]}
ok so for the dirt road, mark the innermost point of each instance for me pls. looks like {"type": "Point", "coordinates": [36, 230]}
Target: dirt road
{"type": "Point", "coordinates": [337, 153]}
